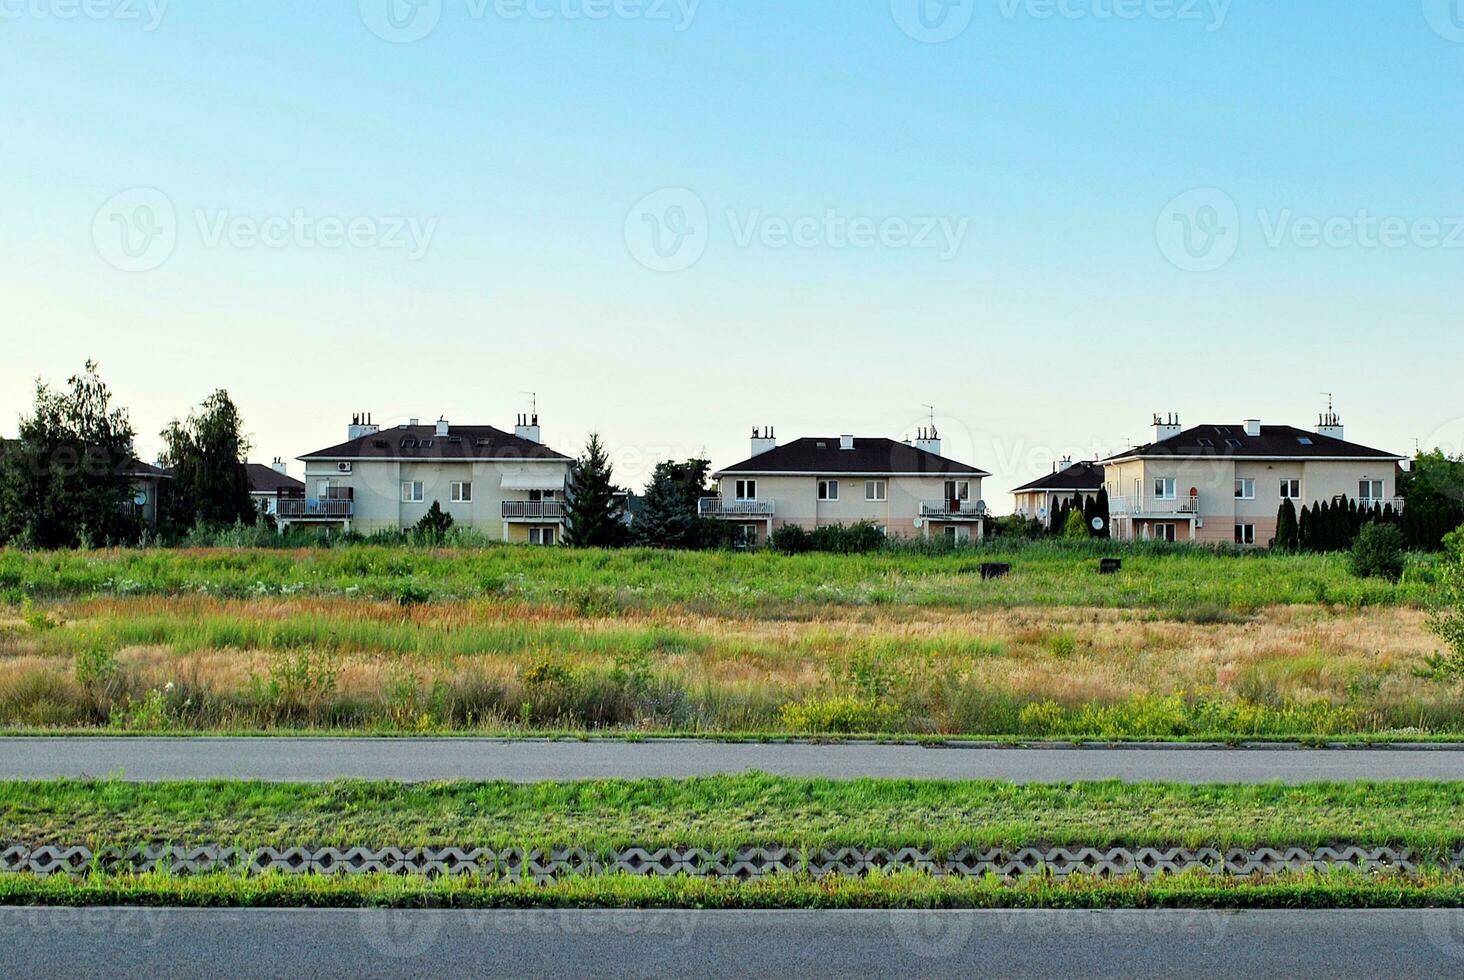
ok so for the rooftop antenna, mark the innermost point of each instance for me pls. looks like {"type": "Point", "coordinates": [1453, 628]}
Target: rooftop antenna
{"type": "Point", "coordinates": [533, 402]}
{"type": "Point", "coordinates": [1330, 406]}
{"type": "Point", "coordinates": [932, 420]}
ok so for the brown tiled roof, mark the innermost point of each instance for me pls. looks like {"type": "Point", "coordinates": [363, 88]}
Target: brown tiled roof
{"type": "Point", "coordinates": [422, 442]}
{"type": "Point", "coordinates": [1274, 442]}
{"type": "Point", "coordinates": [1086, 477]}
{"type": "Point", "coordinates": [869, 456]}
{"type": "Point", "coordinates": [264, 479]}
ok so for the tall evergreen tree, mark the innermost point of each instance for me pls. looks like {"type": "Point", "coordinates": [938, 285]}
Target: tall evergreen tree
{"type": "Point", "coordinates": [668, 515]}
{"type": "Point", "coordinates": [1100, 506]}
{"type": "Point", "coordinates": [67, 480]}
{"type": "Point", "coordinates": [1288, 534]}
{"type": "Point", "coordinates": [206, 454]}
{"type": "Point", "coordinates": [593, 510]}
{"type": "Point", "coordinates": [1304, 529]}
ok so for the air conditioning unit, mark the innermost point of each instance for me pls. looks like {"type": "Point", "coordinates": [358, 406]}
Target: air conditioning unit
{"type": "Point", "coordinates": [343, 467]}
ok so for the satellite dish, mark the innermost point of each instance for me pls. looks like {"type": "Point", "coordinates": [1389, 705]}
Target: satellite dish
{"type": "Point", "coordinates": [1097, 523]}
{"type": "Point", "coordinates": [140, 498]}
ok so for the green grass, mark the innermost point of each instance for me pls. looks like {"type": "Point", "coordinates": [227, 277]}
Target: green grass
{"type": "Point", "coordinates": [730, 811]}
{"type": "Point", "coordinates": [904, 890]}
{"type": "Point", "coordinates": [606, 582]}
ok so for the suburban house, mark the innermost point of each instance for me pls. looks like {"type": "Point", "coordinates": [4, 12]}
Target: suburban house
{"type": "Point", "coordinates": [1039, 500]}
{"type": "Point", "coordinates": [1225, 483]}
{"type": "Point", "coordinates": [497, 482]}
{"type": "Point", "coordinates": [905, 488]}
{"type": "Point", "coordinates": [147, 483]}
{"type": "Point", "coordinates": [270, 484]}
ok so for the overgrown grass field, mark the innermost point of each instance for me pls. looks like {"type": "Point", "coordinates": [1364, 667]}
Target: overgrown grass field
{"type": "Point", "coordinates": [1183, 643]}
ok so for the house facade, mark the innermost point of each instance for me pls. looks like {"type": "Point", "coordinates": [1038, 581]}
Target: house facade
{"type": "Point", "coordinates": [906, 488]}
{"type": "Point", "coordinates": [502, 483]}
{"type": "Point", "coordinates": [268, 485]}
{"type": "Point", "coordinates": [1225, 483]}
{"type": "Point", "coordinates": [1040, 499]}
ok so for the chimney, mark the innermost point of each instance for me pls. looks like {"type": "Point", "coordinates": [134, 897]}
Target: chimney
{"type": "Point", "coordinates": [360, 426]}
{"type": "Point", "coordinates": [1253, 428]}
{"type": "Point", "coordinates": [442, 428]}
{"type": "Point", "coordinates": [1167, 426]}
{"type": "Point", "coordinates": [527, 427]}
{"type": "Point", "coordinates": [929, 440]}
{"type": "Point", "coordinates": [279, 467]}
{"type": "Point", "coordinates": [413, 423]}
{"type": "Point", "coordinates": [1330, 425]}
{"type": "Point", "coordinates": [763, 440]}
{"type": "Point", "coordinates": [846, 442]}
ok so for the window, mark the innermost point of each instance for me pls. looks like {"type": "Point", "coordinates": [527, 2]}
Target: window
{"type": "Point", "coordinates": [541, 535]}
{"type": "Point", "coordinates": [1245, 534]}
{"type": "Point", "coordinates": [875, 490]}
{"type": "Point", "coordinates": [746, 535]}
{"type": "Point", "coordinates": [1234, 443]}
{"type": "Point", "coordinates": [1245, 489]}
{"type": "Point", "coordinates": [1290, 489]}
{"type": "Point", "coordinates": [1305, 440]}
{"type": "Point", "coordinates": [1369, 490]}
{"type": "Point", "coordinates": [1165, 532]}
{"type": "Point", "coordinates": [412, 492]}
{"type": "Point", "coordinates": [1164, 488]}
{"type": "Point", "coordinates": [1207, 443]}
{"type": "Point", "coordinates": [1224, 430]}
{"type": "Point", "coordinates": [746, 489]}
{"type": "Point", "coordinates": [828, 489]}
{"type": "Point", "coordinates": [958, 489]}
{"type": "Point", "coordinates": [462, 493]}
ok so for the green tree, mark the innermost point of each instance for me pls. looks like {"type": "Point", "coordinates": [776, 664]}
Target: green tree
{"type": "Point", "coordinates": [668, 516]}
{"type": "Point", "coordinates": [1074, 526]}
{"type": "Point", "coordinates": [1434, 490]}
{"type": "Point", "coordinates": [206, 455]}
{"type": "Point", "coordinates": [1378, 553]}
{"type": "Point", "coordinates": [434, 525]}
{"type": "Point", "coordinates": [66, 480]}
{"type": "Point", "coordinates": [1288, 528]}
{"type": "Point", "coordinates": [594, 508]}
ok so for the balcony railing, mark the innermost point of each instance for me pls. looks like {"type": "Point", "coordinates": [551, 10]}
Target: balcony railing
{"type": "Point", "coordinates": [534, 510]}
{"type": "Point", "coordinates": [322, 510]}
{"type": "Point", "coordinates": [952, 509]}
{"type": "Point", "coordinates": [718, 507]}
{"type": "Point", "coordinates": [1154, 506]}
{"type": "Point", "coordinates": [1368, 503]}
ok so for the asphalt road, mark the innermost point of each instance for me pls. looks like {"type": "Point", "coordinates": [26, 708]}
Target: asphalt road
{"type": "Point", "coordinates": [322, 759]}
{"type": "Point", "coordinates": [165, 943]}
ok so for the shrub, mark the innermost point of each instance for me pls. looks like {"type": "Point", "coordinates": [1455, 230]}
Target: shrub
{"type": "Point", "coordinates": [1378, 552]}
{"type": "Point", "coordinates": [1075, 527]}
{"type": "Point", "coordinates": [791, 539]}
{"type": "Point", "coordinates": [434, 525]}
{"type": "Point", "coordinates": [841, 715]}
{"type": "Point", "coordinates": [1446, 619]}
{"type": "Point", "coordinates": [848, 539]}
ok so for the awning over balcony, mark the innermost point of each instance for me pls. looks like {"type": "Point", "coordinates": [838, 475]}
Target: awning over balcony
{"type": "Point", "coordinates": [533, 481]}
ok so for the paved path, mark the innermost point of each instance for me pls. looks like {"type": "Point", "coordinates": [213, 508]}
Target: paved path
{"type": "Point", "coordinates": [165, 943]}
{"type": "Point", "coordinates": [314, 760]}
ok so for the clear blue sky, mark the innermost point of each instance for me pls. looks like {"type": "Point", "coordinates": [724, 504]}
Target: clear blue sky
{"type": "Point", "coordinates": [520, 146]}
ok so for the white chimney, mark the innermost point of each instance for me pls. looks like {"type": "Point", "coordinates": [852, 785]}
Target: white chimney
{"type": "Point", "coordinates": [1253, 428]}
{"type": "Point", "coordinates": [413, 423]}
{"type": "Point", "coordinates": [763, 440]}
{"type": "Point", "coordinates": [1167, 426]}
{"type": "Point", "coordinates": [928, 440]}
{"type": "Point", "coordinates": [527, 427]}
{"type": "Point", "coordinates": [279, 467]}
{"type": "Point", "coordinates": [846, 442]}
{"type": "Point", "coordinates": [1330, 425]}
{"type": "Point", "coordinates": [442, 428]}
{"type": "Point", "coordinates": [361, 426]}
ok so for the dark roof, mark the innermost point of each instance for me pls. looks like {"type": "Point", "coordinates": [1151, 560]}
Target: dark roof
{"type": "Point", "coordinates": [1086, 476]}
{"type": "Point", "coordinates": [1274, 442]}
{"type": "Point", "coordinates": [823, 455]}
{"type": "Point", "coordinates": [136, 467]}
{"type": "Point", "coordinates": [422, 442]}
{"type": "Point", "coordinates": [264, 479]}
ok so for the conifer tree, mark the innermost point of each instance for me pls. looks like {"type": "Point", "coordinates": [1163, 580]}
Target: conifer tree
{"type": "Point", "coordinates": [593, 508]}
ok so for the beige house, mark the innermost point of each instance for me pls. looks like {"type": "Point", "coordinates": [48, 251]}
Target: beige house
{"type": "Point", "coordinates": [905, 488]}
{"type": "Point", "coordinates": [497, 482]}
{"type": "Point", "coordinates": [268, 485]}
{"type": "Point", "coordinates": [1225, 483]}
{"type": "Point", "coordinates": [1040, 499]}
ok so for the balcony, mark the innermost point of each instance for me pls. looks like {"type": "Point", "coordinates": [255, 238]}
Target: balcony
{"type": "Point", "coordinates": [533, 510]}
{"type": "Point", "coordinates": [1368, 503]}
{"type": "Point", "coordinates": [953, 510]}
{"type": "Point", "coordinates": [717, 507]}
{"type": "Point", "coordinates": [1154, 506]}
{"type": "Point", "coordinates": [296, 509]}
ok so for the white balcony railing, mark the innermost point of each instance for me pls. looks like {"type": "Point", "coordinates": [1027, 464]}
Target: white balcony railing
{"type": "Point", "coordinates": [321, 510]}
{"type": "Point", "coordinates": [718, 507]}
{"type": "Point", "coordinates": [953, 509]}
{"type": "Point", "coordinates": [1368, 503]}
{"type": "Point", "coordinates": [1154, 506]}
{"type": "Point", "coordinates": [534, 510]}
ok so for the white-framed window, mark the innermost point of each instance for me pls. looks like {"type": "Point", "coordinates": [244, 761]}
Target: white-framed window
{"type": "Point", "coordinates": [1245, 489]}
{"type": "Point", "coordinates": [828, 489]}
{"type": "Point", "coordinates": [958, 489]}
{"type": "Point", "coordinates": [875, 491]}
{"type": "Point", "coordinates": [1166, 532]}
{"type": "Point", "coordinates": [746, 489]}
{"type": "Point", "coordinates": [1290, 489]}
{"type": "Point", "coordinates": [462, 492]}
{"type": "Point", "coordinates": [1370, 490]}
{"type": "Point", "coordinates": [412, 492]}
{"type": "Point", "coordinates": [1245, 534]}
{"type": "Point", "coordinates": [1164, 488]}
{"type": "Point", "coordinates": [747, 535]}
{"type": "Point", "coordinates": [541, 535]}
